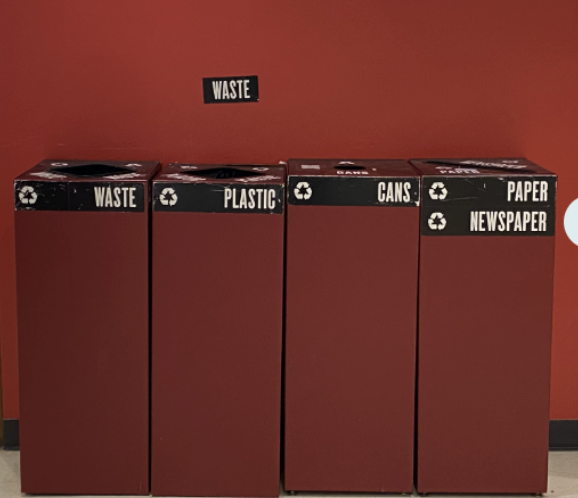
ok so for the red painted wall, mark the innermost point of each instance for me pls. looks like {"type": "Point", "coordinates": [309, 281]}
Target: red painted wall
{"type": "Point", "coordinates": [122, 80]}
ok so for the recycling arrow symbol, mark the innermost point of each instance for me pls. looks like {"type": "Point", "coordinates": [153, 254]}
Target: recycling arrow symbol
{"type": "Point", "coordinates": [438, 191]}
{"type": "Point", "coordinates": [303, 191]}
{"type": "Point", "coordinates": [437, 221]}
{"type": "Point", "coordinates": [27, 195]}
{"type": "Point", "coordinates": [168, 197]}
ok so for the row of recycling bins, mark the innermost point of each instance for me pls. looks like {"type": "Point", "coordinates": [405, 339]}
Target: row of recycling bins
{"type": "Point", "coordinates": [355, 326]}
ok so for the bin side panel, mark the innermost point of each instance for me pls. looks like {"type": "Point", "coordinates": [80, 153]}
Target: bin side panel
{"type": "Point", "coordinates": [83, 339]}
{"type": "Point", "coordinates": [350, 348]}
{"type": "Point", "coordinates": [485, 318]}
{"type": "Point", "coordinates": [217, 338]}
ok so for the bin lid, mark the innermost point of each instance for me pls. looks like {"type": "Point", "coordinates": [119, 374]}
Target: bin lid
{"type": "Point", "coordinates": [222, 173]}
{"type": "Point", "coordinates": [350, 168]}
{"type": "Point", "coordinates": [352, 182]}
{"type": "Point", "coordinates": [479, 167]}
{"type": "Point", "coordinates": [220, 188]}
{"type": "Point", "coordinates": [62, 170]}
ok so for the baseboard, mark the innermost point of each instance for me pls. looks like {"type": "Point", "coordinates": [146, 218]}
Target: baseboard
{"type": "Point", "coordinates": [563, 435]}
{"type": "Point", "coordinates": [11, 434]}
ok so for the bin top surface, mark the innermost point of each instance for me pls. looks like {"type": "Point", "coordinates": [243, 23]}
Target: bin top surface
{"type": "Point", "coordinates": [62, 170]}
{"type": "Point", "coordinates": [242, 174]}
{"type": "Point", "coordinates": [503, 166]}
{"type": "Point", "coordinates": [351, 168]}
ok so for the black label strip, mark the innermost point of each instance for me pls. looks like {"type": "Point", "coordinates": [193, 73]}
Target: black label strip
{"type": "Point", "coordinates": [359, 191]}
{"type": "Point", "coordinates": [488, 221]}
{"type": "Point", "coordinates": [79, 196]}
{"type": "Point", "coordinates": [489, 206]}
{"type": "Point", "coordinates": [506, 191]}
{"type": "Point", "coordinates": [218, 198]}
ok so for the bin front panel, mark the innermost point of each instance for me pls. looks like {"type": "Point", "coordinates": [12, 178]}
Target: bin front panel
{"type": "Point", "coordinates": [83, 347]}
{"type": "Point", "coordinates": [350, 332]}
{"type": "Point", "coordinates": [484, 364]}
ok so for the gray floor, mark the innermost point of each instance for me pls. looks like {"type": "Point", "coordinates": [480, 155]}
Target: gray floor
{"type": "Point", "coordinates": [563, 476]}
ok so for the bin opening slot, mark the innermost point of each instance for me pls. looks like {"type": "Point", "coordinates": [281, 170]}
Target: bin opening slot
{"type": "Point", "coordinates": [92, 169]}
{"type": "Point", "coordinates": [350, 167]}
{"type": "Point", "coordinates": [474, 165]}
{"type": "Point", "coordinates": [222, 173]}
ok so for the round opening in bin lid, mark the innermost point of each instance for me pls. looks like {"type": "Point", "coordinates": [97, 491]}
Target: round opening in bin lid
{"type": "Point", "coordinates": [92, 169]}
{"type": "Point", "coordinates": [222, 173]}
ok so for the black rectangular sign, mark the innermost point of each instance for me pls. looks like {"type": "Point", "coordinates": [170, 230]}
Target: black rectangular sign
{"type": "Point", "coordinates": [489, 205]}
{"type": "Point", "coordinates": [472, 191]}
{"type": "Point", "coordinates": [230, 89]}
{"type": "Point", "coordinates": [332, 191]}
{"type": "Point", "coordinates": [218, 198]}
{"type": "Point", "coordinates": [79, 196]}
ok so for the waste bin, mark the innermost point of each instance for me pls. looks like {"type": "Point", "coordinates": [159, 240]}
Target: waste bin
{"type": "Point", "coordinates": [485, 313]}
{"type": "Point", "coordinates": [218, 238]}
{"type": "Point", "coordinates": [82, 257]}
{"type": "Point", "coordinates": [351, 302]}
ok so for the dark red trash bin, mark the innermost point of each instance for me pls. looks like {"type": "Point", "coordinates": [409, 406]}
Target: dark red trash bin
{"type": "Point", "coordinates": [218, 237]}
{"type": "Point", "coordinates": [82, 238]}
{"type": "Point", "coordinates": [485, 315]}
{"type": "Point", "coordinates": [352, 274]}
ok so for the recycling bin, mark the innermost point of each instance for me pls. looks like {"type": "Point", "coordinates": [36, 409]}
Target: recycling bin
{"type": "Point", "coordinates": [351, 302]}
{"type": "Point", "coordinates": [485, 314]}
{"type": "Point", "coordinates": [218, 240]}
{"type": "Point", "coordinates": [82, 258]}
